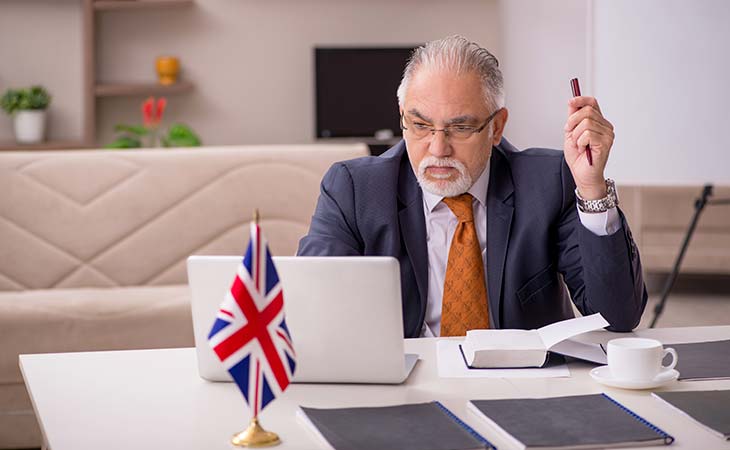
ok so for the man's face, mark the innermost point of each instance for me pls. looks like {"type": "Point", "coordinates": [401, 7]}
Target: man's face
{"type": "Point", "coordinates": [447, 165]}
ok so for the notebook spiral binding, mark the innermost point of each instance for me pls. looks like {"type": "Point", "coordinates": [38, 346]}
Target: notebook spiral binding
{"type": "Point", "coordinates": [668, 439]}
{"type": "Point", "coordinates": [466, 427]}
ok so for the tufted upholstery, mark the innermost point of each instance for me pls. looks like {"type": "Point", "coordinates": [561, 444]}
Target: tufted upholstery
{"type": "Point", "coordinates": [93, 244]}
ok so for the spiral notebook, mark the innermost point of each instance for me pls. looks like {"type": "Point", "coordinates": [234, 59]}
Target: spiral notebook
{"type": "Point", "coordinates": [710, 409]}
{"type": "Point", "coordinates": [402, 427]}
{"type": "Point", "coordinates": [703, 360]}
{"type": "Point", "coordinates": [576, 422]}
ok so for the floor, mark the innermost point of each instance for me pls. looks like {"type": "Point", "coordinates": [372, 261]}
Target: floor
{"type": "Point", "coordinates": [693, 301]}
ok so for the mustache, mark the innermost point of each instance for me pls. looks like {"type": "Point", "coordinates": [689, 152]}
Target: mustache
{"type": "Point", "coordinates": [438, 184]}
{"type": "Point", "coordinates": [432, 161]}
{"type": "Point", "coordinates": [440, 162]}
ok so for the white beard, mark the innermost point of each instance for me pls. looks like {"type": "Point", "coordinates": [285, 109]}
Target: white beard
{"type": "Point", "coordinates": [443, 188]}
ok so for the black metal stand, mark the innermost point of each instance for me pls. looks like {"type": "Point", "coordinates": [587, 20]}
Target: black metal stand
{"type": "Point", "coordinates": [700, 204]}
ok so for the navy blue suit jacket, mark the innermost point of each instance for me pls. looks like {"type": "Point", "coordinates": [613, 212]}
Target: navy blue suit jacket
{"type": "Point", "coordinates": [536, 244]}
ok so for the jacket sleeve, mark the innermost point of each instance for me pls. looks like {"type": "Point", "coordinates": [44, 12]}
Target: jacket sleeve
{"type": "Point", "coordinates": [333, 231]}
{"type": "Point", "coordinates": [603, 273]}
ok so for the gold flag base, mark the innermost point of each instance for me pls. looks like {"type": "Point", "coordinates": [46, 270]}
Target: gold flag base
{"type": "Point", "coordinates": [255, 436]}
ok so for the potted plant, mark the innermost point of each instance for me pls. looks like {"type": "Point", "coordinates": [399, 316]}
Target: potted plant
{"type": "Point", "coordinates": [27, 106]}
{"type": "Point", "coordinates": [134, 136]}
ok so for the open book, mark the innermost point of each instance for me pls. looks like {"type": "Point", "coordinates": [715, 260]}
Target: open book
{"type": "Point", "coordinates": [523, 348]}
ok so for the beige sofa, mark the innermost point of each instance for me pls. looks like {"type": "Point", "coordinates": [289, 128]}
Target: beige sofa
{"type": "Point", "coordinates": [93, 244]}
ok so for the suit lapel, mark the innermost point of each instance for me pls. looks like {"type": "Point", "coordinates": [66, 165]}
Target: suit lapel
{"type": "Point", "coordinates": [500, 208]}
{"type": "Point", "coordinates": [413, 226]}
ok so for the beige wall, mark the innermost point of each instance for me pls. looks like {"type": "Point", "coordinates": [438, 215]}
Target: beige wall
{"type": "Point", "coordinates": [662, 68]}
{"type": "Point", "coordinates": [545, 45]}
{"type": "Point", "coordinates": [252, 61]}
{"type": "Point", "coordinates": [40, 43]}
{"type": "Point", "coordinates": [252, 64]}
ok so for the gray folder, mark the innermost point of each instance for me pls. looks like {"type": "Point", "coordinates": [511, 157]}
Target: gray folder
{"type": "Point", "coordinates": [423, 426]}
{"type": "Point", "coordinates": [709, 408]}
{"type": "Point", "coordinates": [582, 421]}
{"type": "Point", "coordinates": [703, 360]}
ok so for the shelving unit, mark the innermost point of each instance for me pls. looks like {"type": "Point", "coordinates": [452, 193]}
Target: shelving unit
{"type": "Point", "coordinates": [122, 89]}
{"type": "Point", "coordinates": [110, 5]}
{"type": "Point", "coordinates": [48, 145]}
{"type": "Point", "coordinates": [97, 90]}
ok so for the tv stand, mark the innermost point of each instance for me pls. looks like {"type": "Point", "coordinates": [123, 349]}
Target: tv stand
{"type": "Point", "coordinates": [376, 146]}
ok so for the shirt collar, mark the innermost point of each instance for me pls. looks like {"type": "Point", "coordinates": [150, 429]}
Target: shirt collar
{"type": "Point", "coordinates": [478, 190]}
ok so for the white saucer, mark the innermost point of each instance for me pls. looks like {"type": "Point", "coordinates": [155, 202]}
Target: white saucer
{"type": "Point", "coordinates": [603, 375]}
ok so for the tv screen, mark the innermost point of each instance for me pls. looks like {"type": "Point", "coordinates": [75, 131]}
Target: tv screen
{"type": "Point", "coordinates": [356, 90]}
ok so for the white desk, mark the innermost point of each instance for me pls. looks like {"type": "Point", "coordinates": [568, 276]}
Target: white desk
{"type": "Point", "coordinates": [154, 399]}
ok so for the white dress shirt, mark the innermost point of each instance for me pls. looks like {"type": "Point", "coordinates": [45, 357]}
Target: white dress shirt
{"type": "Point", "coordinates": [441, 224]}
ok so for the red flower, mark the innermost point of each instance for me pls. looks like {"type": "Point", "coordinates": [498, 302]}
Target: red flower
{"type": "Point", "coordinates": [152, 113]}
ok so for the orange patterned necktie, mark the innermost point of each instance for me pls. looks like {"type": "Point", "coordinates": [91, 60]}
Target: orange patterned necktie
{"type": "Point", "coordinates": [464, 305]}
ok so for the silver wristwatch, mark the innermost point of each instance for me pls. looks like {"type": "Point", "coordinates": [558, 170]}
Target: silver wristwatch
{"type": "Point", "coordinates": [600, 205]}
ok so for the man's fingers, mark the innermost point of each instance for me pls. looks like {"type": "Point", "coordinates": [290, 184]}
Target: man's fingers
{"type": "Point", "coordinates": [586, 113]}
{"type": "Point", "coordinates": [579, 102]}
{"type": "Point", "coordinates": [600, 128]}
{"type": "Point", "coordinates": [595, 139]}
{"type": "Point", "coordinates": [581, 137]}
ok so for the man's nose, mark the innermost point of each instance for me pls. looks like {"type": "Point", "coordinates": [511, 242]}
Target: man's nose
{"type": "Point", "coordinates": [439, 145]}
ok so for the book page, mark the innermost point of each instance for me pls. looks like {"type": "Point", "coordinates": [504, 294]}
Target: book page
{"type": "Point", "coordinates": [494, 339]}
{"type": "Point", "coordinates": [581, 350]}
{"type": "Point", "coordinates": [451, 364]}
{"type": "Point", "coordinates": [560, 331]}
{"type": "Point", "coordinates": [504, 348]}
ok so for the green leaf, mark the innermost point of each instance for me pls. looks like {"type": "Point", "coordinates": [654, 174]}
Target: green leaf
{"type": "Point", "coordinates": [125, 142]}
{"type": "Point", "coordinates": [10, 101]}
{"type": "Point", "coordinates": [181, 135]}
{"type": "Point", "coordinates": [38, 98]}
{"type": "Point", "coordinates": [35, 97]}
{"type": "Point", "coordinates": [139, 130]}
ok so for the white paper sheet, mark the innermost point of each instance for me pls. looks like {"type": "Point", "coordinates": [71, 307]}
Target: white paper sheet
{"type": "Point", "coordinates": [451, 365]}
{"type": "Point", "coordinates": [560, 331]}
{"type": "Point", "coordinates": [581, 350]}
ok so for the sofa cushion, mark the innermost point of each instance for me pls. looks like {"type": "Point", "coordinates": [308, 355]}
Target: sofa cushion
{"type": "Point", "coordinates": [85, 217]}
{"type": "Point", "coordinates": [18, 425]}
{"type": "Point", "coordinates": [89, 319]}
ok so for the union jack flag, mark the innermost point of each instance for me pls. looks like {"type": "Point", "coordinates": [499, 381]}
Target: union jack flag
{"type": "Point", "coordinates": [249, 334]}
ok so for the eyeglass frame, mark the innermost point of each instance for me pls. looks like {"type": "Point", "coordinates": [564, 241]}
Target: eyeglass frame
{"type": "Point", "coordinates": [446, 128]}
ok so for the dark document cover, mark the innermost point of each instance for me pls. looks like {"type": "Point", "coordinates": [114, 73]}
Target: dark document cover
{"type": "Point", "coordinates": [422, 426]}
{"type": "Point", "coordinates": [703, 360]}
{"type": "Point", "coordinates": [709, 408]}
{"type": "Point", "coordinates": [576, 422]}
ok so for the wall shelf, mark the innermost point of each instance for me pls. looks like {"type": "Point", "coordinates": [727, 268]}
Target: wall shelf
{"type": "Point", "coordinates": [49, 145]}
{"type": "Point", "coordinates": [116, 5]}
{"type": "Point", "coordinates": [131, 89]}
{"type": "Point", "coordinates": [94, 91]}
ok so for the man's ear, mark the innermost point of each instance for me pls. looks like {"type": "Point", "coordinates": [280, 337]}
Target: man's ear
{"type": "Point", "coordinates": [499, 121]}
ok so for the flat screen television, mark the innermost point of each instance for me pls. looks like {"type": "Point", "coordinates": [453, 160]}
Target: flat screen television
{"type": "Point", "coordinates": [356, 90]}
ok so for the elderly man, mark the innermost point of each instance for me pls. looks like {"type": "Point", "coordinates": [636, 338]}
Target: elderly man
{"type": "Point", "coordinates": [486, 236]}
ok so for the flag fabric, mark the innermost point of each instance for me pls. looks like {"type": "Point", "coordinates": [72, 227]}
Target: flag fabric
{"type": "Point", "coordinates": [249, 334]}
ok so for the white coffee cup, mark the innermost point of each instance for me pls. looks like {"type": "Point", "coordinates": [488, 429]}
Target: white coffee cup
{"type": "Point", "coordinates": [638, 359]}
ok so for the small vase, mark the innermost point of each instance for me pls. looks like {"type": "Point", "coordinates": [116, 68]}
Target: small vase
{"type": "Point", "coordinates": [167, 69]}
{"type": "Point", "coordinates": [30, 126]}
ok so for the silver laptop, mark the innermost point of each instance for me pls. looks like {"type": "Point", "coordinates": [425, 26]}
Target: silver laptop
{"type": "Point", "coordinates": [344, 315]}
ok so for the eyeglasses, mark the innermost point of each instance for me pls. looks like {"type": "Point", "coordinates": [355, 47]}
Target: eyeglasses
{"type": "Point", "coordinates": [456, 133]}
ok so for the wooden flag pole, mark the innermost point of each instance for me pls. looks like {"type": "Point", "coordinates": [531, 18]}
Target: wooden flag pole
{"type": "Point", "coordinates": [256, 216]}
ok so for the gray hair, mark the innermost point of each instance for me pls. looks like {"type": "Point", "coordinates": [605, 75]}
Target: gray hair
{"type": "Point", "coordinates": [459, 55]}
